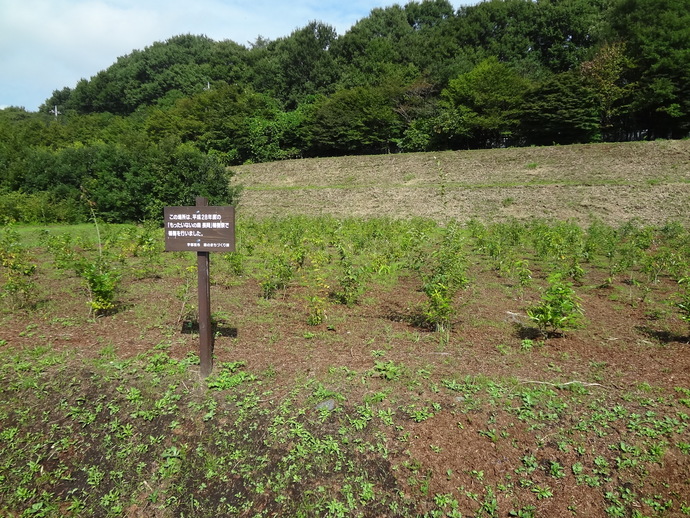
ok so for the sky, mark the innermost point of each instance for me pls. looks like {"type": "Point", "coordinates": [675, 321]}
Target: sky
{"type": "Point", "coordinates": [46, 45]}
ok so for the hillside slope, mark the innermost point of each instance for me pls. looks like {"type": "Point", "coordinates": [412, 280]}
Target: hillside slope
{"type": "Point", "coordinates": [615, 182]}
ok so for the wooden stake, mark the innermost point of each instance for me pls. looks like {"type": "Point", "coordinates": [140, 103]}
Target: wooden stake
{"type": "Point", "coordinates": [204, 290]}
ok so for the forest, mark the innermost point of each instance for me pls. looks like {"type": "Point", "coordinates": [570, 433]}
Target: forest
{"type": "Point", "coordinates": [166, 123]}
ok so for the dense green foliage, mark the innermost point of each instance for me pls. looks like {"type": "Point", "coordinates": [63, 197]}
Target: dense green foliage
{"type": "Point", "coordinates": [159, 124]}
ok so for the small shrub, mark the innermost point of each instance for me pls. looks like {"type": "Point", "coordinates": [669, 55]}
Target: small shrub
{"type": "Point", "coordinates": [351, 284]}
{"type": "Point", "coordinates": [236, 262]}
{"type": "Point", "coordinates": [522, 273]}
{"type": "Point", "coordinates": [684, 303]}
{"type": "Point", "coordinates": [17, 269]}
{"type": "Point", "coordinates": [62, 249]}
{"type": "Point", "coordinates": [147, 246]}
{"type": "Point", "coordinates": [443, 280]}
{"type": "Point", "coordinates": [559, 308]}
{"type": "Point", "coordinates": [280, 273]}
{"type": "Point", "coordinates": [317, 310]}
{"type": "Point", "coordinates": [102, 282]}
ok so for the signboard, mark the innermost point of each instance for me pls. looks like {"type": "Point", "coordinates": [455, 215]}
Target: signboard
{"type": "Point", "coordinates": [199, 229]}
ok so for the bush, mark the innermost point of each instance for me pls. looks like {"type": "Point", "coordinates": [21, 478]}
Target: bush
{"type": "Point", "coordinates": [17, 270]}
{"type": "Point", "coordinates": [40, 207]}
{"type": "Point", "coordinates": [559, 308]}
{"type": "Point", "coordinates": [102, 282]}
{"type": "Point", "coordinates": [444, 279]}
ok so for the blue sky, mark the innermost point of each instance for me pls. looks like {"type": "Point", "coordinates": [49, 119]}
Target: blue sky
{"type": "Point", "coordinates": [46, 45]}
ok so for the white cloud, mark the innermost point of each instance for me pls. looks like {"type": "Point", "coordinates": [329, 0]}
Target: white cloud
{"type": "Point", "coordinates": [46, 45]}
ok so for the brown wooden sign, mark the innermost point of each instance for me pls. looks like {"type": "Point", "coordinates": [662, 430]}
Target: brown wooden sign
{"type": "Point", "coordinates": [199, 229]}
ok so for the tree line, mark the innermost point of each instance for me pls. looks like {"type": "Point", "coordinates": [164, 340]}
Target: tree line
{"type": "Point", "coordinates": [418, 77]}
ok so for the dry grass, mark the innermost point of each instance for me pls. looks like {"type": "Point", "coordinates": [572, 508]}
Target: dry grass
{"type": "Point", "coordinates": [649, 181]}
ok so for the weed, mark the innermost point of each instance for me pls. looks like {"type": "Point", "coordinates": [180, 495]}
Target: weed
{"type": "Point", "coordinates": [228, 376]}
{"type": "Point", "coordinates": [420, 413]}
{"type": "Point", "coordinates": [490, 434]}
{"type": "Point", "coordinates": [387, 370]}
{"type": "Point", "coordinates": [542, 492]}
{"type": "Point", "coordinates": [556, 470]}
{"type": "Point", "coordinates": [527, 344]}
{"type": "Point", "coordinates": [524, 512]}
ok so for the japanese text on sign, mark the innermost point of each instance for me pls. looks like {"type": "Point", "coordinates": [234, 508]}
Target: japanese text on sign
{"type": "Point", "coordinates": [200, 229]}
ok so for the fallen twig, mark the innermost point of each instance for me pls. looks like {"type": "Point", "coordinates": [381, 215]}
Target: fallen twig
{"type": "Point", "coordinates": [562, 384]}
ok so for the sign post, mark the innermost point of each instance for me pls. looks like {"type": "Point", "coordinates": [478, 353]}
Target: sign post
{"type": "Point", "coordinates": [203, 261]}
{"type": "Point", "coordinates": [201, 229]}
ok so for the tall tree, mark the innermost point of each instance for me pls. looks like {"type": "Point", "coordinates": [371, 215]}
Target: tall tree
{"type": "Point", "coordinates": [564, 31]}
{"type": "Point", "coordinates": [374, 48]}
{"type": "Point", "coordinates": [657, 37]}
{"type": "Point", "coordinates": [215, 121]}
{"type": "Point", "coordinates": [561, 110]}
{"type": "Point", "coordinates": [428, 13]}
{"type": "Point", "coordinates": [303, 63]}
{"type": "Point", "coordinates": [360, 120]}
{"type": "Point", "coordinates": [605, 74]}
{"type": "Point", "coordinates": [487, 102]}
{"type": "Point", "coordinates": [180, 66]}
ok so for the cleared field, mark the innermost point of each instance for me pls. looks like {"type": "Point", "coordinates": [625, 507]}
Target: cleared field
{"type": "Point", "coordinates": [648, 181]}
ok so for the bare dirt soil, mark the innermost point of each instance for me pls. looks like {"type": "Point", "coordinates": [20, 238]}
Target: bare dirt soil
{"type": "Point", "coordinates": [649, 181]}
